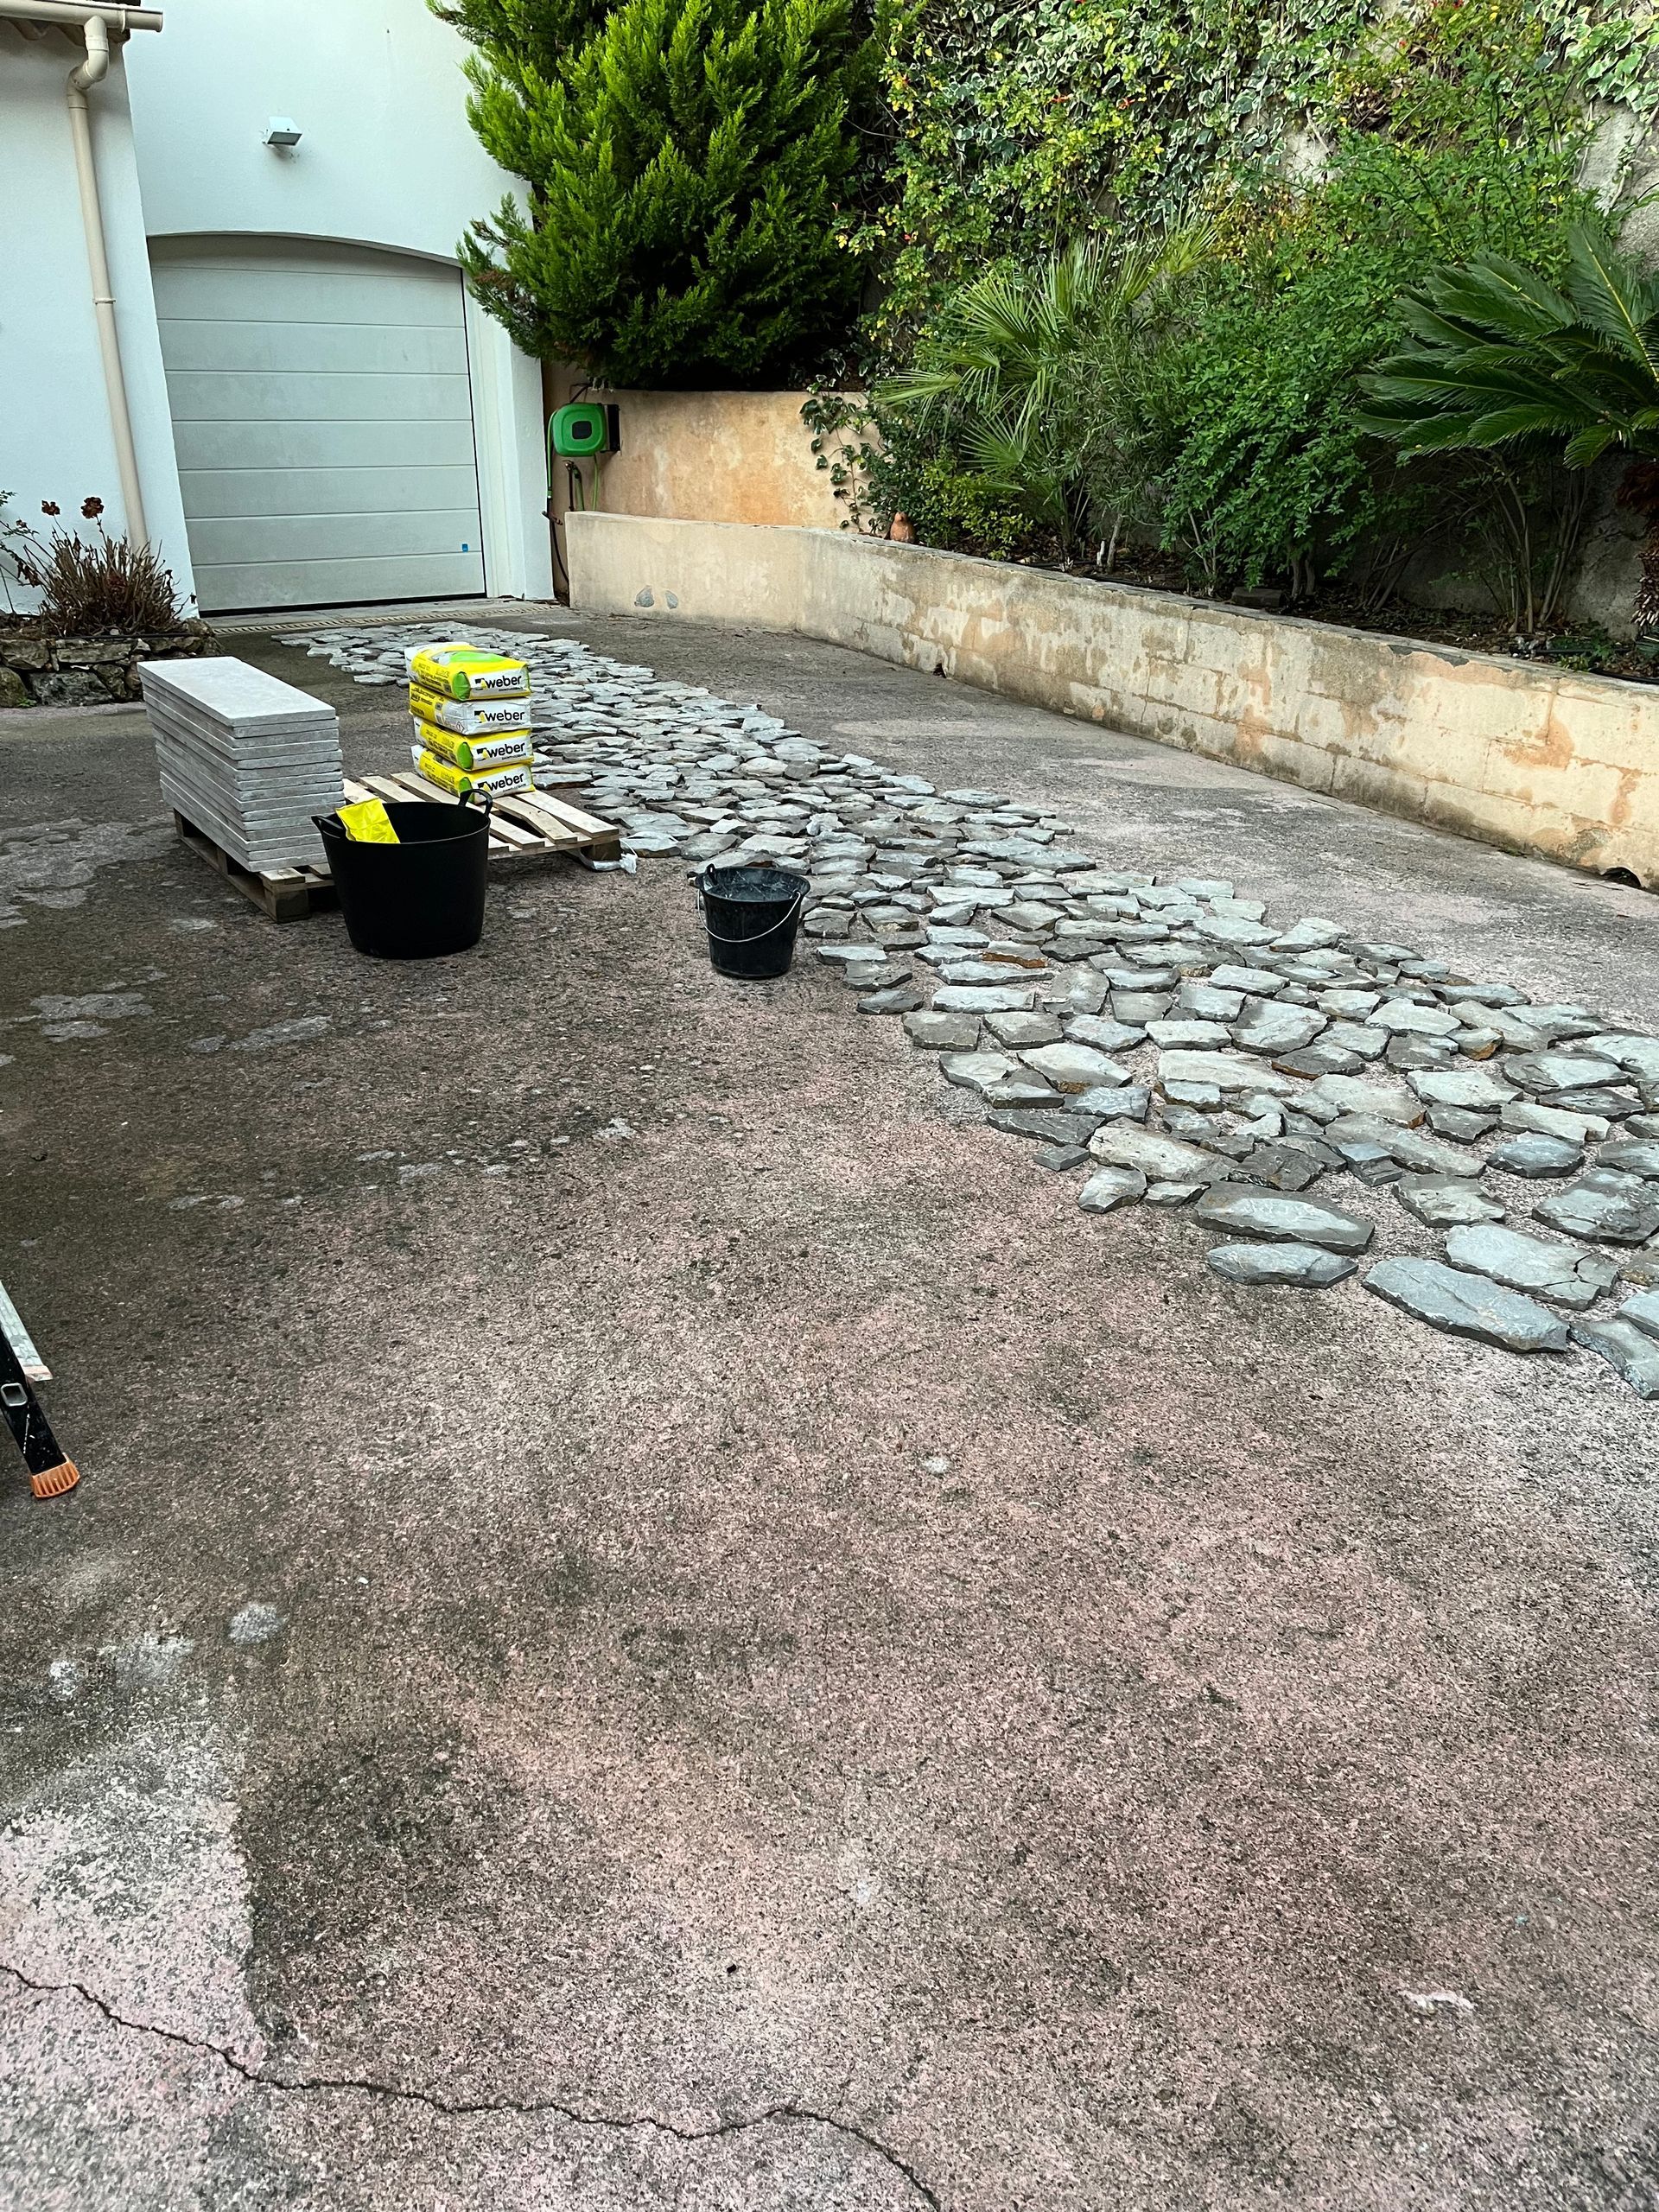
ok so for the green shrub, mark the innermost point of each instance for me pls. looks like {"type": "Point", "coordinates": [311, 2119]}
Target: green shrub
{"type": "Point", "coordinates": [686, 165]}
{"type": "Point", "coordinates": [1459, 142]}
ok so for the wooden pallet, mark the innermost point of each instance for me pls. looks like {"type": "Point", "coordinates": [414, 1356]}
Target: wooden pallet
{"type": "Point", "coordinates": [287, 894]}
{"type": "Point", "coordinates": [528, 827]}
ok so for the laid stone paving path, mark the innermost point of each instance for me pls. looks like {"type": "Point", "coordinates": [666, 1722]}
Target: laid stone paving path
{"type": "Point", "coordinates": [1164, 1037]}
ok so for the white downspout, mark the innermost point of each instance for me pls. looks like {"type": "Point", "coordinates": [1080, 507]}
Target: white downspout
{"type": "Point", "coordinates": [93, 71]}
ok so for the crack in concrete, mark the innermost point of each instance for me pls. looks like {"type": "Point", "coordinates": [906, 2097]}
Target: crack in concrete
{"type": "Point", "coordinates": [787, 2113]}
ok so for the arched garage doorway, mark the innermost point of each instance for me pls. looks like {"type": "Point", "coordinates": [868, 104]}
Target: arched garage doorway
{"type": "Point", "coordinates": [322, 413]}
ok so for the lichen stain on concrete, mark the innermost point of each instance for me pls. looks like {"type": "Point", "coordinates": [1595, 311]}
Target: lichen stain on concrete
{"type": "Point", "coordinates": [52, 863]}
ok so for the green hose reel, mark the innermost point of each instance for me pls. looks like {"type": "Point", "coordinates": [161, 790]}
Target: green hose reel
{"type": "Point", "coordinates": [580, 430]}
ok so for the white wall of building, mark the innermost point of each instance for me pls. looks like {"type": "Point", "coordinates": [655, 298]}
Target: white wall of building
{"type": "Point", "coordinates": [55, 439]}
{"type": "Point", "coordinates": [386, 158]}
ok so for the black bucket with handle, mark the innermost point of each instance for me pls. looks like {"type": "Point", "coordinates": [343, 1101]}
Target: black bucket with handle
{"type": "Point", "coordinates": [422, 897]}
{"type": "Point", "coordinates": [751, 915]}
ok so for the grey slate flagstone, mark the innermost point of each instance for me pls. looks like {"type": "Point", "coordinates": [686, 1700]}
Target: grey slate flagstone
{"type": "Point", "coordinates": [1074, 1067]}
{"type": "Point", "coordinates": [1641, 1311]}
{"type": "Point", "coordinates": [1474, 1088]}
{"type": "Point", "coordinates": [1601, 1210]}
{"type": "Point", "coordinates": [971, 998]}
{"type": "Point", "coordinates": [1467, 1306]}
{"type": "Point", "coordinates": [1291, 1220]}
{"type": "Point", "coordinates": [953, 1033]}
{"type": "Point", "coordinates": [1566, 1273]}
{"type": "Point", "coordinates": [1553, 1121]}
{"type": "Point", "coordinates": [1630, 1352]}
{"type": "Point", "coordinates": [1535, 1155]}
{"type": "Point", "coordinates": [1226, 1071]}
{"type": "Point", "coordinates": [1052, 1125]}
{"type": "Point", "coordinates": [1111, 1186]}
{"type": "Point", "coordinates": [1445, 1201]}
{"type": "Point", "coordinates": [1275, 1028]}
{"type": "Point", "coordinates": [1159, 1158]}
{"type": "Point", "coordinates": [1302, 1265]}
{"type": "Point", "coordinates": [1636, 1157]}
{"type": "Point", "coordinates": [1560, 1070]}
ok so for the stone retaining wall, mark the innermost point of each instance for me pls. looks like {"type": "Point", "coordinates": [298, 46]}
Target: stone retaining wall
{"type": "Point", "coordinates": [38, 671]}
{"type": "Point", "coordinates": [1535, 759]}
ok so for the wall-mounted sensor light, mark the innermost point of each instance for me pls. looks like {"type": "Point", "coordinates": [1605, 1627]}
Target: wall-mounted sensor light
{"type": "Point", "coordinates": [281, 132]}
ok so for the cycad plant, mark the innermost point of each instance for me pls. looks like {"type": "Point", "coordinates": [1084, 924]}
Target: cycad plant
{"type": "Point", "coordinates": [1502, 358]}
{"type": "Point", "coordinates": [1010, 373]}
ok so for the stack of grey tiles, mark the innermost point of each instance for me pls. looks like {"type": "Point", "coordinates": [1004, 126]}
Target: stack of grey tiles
{"type": "Point", "coordinates": [244, 757]}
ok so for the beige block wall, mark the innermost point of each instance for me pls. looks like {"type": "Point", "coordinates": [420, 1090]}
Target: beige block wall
{"type": "Point", "coordinates": [714, 456]}
{"type": "Point", "coordinates": [1535, 759]}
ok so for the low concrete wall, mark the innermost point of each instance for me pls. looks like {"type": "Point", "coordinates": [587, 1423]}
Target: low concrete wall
{"type": "Point", "coordinates": [1535, 759]}
{"type": "Point", "coordinates": [714, 456]}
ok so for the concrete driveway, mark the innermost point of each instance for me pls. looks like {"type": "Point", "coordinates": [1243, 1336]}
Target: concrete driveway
{"type": "Point", "coordinates": [656, 1620]}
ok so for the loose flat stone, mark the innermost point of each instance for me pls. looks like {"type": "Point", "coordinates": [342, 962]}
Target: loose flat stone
{"type": "Point", "coordinates": [1631, 1158]}
{"type": "Point", "coordinates": [1406, 1053]}
{"type": "Point", "coordinates": [943, 1033]}
{"type": "Point", "coordinates": [1533, 1155]}
{"type": "Point", "coordinates": [1101, 1031]}
{"type": "Point", "coordinates": [1335, 1095]}
{"type": "Point", "coordinates": [1348, 1003]}
{"type": "Point", "coordinates": [971, 998]}
{"type": "Point", "coordinates": [1308, 936]}
{"type": "Point", "coordinates": [1048, 1124]}
{"type": "Point", "coordinates": [1284, 1166]}
{"type": "Point", "coordinates": [1160, 1159]}
{"type": "Point", "coordinates": [1185, 1029]}
{"type": "Point", "coordinates": [1074, 1067]}
{"type": "Point", "coordinates": [1302, 1267]}
{"type": "Point", "coordinates": [1566, 1273]}
{"type": "Point", "coordinates": [1126, 1101]}
{"type": "Point", "coordinates": [1224, 1070]}
{"type": "Point", "coordinates": [900, 998]}
{"type": "Point", "coordinates": [1473, 1088]}
{"type": "Point", "coordinates": [1059, 1158]}
{"type": "Point", "coordinates": [1206, 1003]}
{"type": "Point", "coordinates": [1172, 1194]}
{"type": "Point", "coordinates": [1467, 1306]}
{"type": "Point", "coordinates": [1275, 1028]}
{"type": "Point", "coordinates": [1637, 1055]}
{"type": "Point", "coordinates": [1323, 1058]}
{"type": "Point", "coordinates": [976, 1069]}
{"type": "Point", "coordinates": [1022, 1088]}
{"type": "Point", "coordinates": [1641, 1311]}
{"type": "Point", "coordinates": [1406, 1018]}
{"type": "Point", "coordinates": [1255, 983]}
{"type": "Point", "coordinates": [1630, 1352]}
{"type": "Point", "coordinates": [1460, 1124]}
{"type": "Point", "coordinates": [1139, 1007]}
{"type": "Point", "coordinates": [1570, 1125]}
{"type": "Point", "coordinates": [990, 973]}
{"type": "Point", "coordinates": [1019, 1031]}
{"type": "Point", "coordinates": [1355, 1037]}
{"type": "Point", "coordinates": [1445, 1201]}
{"type": "Point", "coordinates": [1111, 1186]}
{"type": "Point", "coordinates": [1560, 1070]}
{"type": "Point", "coordinates": [1267, 1214]}
{"type": "Point", "coordinates": [1609, 1214]}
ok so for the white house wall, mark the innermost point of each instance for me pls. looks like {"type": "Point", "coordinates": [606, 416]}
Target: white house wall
{"type": "Point", "coordinates": [386, 158]}
{"type": "Point", "coordinates": [55, 438]}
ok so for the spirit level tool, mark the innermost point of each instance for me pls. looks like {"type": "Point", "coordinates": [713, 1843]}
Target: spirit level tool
{"type": "Point", "coordinates": [49, 1473]}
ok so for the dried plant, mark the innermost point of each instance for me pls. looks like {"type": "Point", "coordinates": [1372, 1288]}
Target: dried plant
{"type": "Point", "coordinates": [93, 583]}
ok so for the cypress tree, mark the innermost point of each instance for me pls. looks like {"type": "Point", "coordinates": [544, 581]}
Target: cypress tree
{"type": "Point", "coordinates": [687, 163]}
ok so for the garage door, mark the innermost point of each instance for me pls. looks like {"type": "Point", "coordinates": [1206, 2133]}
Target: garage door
{"type": "Point", "coordinates": [323, 415]}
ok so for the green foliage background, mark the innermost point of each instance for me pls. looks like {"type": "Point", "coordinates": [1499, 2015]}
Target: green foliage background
{"type": "Point", "coordinates": [1014, 125]}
